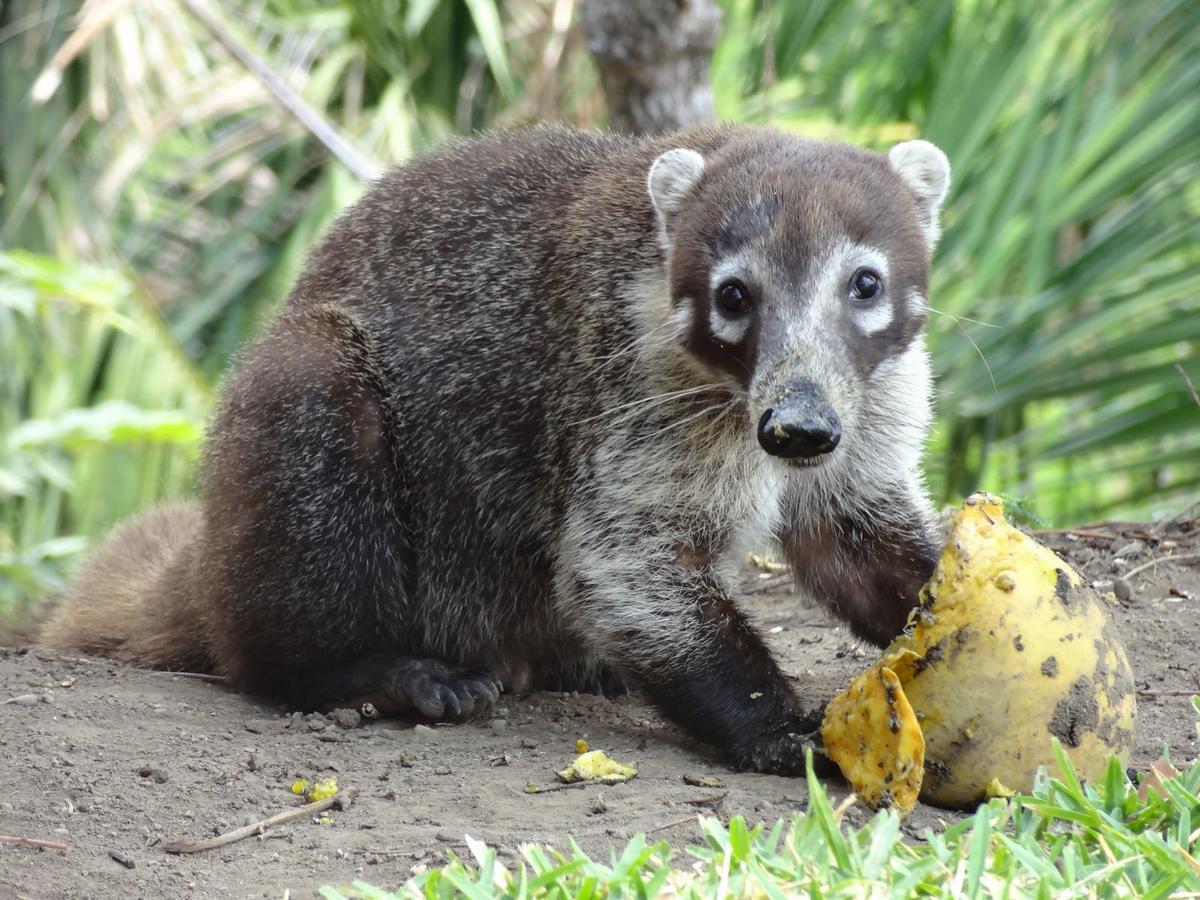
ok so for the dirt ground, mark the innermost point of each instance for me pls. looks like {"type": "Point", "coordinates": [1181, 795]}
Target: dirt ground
{"type": "Point", "coordinates": [114, 762]}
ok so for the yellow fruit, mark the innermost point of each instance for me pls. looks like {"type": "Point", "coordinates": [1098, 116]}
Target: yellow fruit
{"type": "Point", "coordinates": [871, 732]}
{"type": "Point", "coordinates": [1014, 649]}
{"type": "Point", "coordinates": [596, 765]}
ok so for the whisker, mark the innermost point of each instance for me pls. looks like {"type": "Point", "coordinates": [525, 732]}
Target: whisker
{"type": "Point", "coordinates": [986, 364]}
{"type": "Point", "coordinates": [722, 406]}
{"type": "Point", "coordinates": [961, 319]}
{"type": "Point", "coordinates": [644, 404]}
{"type": "Point", "coordinates": [632, 344]}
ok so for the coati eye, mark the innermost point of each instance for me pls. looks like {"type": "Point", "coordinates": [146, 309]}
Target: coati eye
{"type": "Point", "coordinates": [865, 284]}
{"type": "Point", "coordinates": [733, 297]}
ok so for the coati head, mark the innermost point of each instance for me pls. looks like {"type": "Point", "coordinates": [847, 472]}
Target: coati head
{"type": "Point", "coordinates": [798, 273]}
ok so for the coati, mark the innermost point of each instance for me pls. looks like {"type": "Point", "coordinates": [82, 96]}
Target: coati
{"type": "Point", "coordinates": [527, 406]}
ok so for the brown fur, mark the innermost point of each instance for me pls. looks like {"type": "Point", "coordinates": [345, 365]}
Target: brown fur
{"type": "Point", "coordinates": [468, 451]}
{"type": "Point", "coordinates": [130, 599]}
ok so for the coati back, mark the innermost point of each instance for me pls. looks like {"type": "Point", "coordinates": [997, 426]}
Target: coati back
{"type": "Point", "coordinates": [527, 404]}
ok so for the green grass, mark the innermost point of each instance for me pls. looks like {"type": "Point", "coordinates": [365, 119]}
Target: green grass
{"type": "Point", "coordinates": [1065, 839]}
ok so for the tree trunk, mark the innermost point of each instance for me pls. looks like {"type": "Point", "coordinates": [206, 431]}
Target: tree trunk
{"type": "Point", "coordinates": [654, 57]}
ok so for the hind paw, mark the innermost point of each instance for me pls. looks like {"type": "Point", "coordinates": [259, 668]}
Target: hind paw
{"type": "Point", "coordinates": [440, 691]}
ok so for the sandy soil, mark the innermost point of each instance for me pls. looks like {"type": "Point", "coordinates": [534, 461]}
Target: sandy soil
{"type": "Point", "coordinates": [114, 762]}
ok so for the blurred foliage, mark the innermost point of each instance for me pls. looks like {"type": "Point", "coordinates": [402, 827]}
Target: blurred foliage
{"type": "Point", "coordinates": [156, 202]}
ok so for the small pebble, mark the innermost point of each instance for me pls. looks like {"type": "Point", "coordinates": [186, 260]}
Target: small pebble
{"type": "Point", "coordinates": [158, 776]}
{"type": "Point", "coordinates": [23, 700]}
{"type": "Point", "coordinates": [1131, 549]}
{"type": "Point", "coordinates": [121, 858]}
{"type": "Point", "coordinates": [423, 731]}
{"type": "Point", "coordinates": [346, 718]}
{"type": "Point", "coordinates": [1122, 589]}
{"type": "Point", "coordinates": [499, 726]}
{"type": "Point", "coordinates": [445, 837]}
{"type": "Point", "coordinates": [442, 770]}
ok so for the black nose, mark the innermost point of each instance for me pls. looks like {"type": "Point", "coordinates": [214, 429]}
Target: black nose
{"type": "Point", "coordinates": [803, 429]}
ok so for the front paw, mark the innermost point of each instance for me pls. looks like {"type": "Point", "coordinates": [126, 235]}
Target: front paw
{"type": "Point", "coordinates": [783, 752]}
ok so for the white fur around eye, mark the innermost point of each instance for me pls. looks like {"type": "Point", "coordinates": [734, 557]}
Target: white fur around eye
{"type": "Point", "coordinates": [860, 256]}
{"type": "Point", "coordinates": [725, 329]}
{"type": "Point", "coordinates": [873, 319]}
{"type": "Point", "coordinates": [871, 316]}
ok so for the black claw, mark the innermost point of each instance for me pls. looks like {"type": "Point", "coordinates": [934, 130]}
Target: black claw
{"type": "Point", "coordinates": [453, 707]}
{"type": "Point", "coordinates": [427, 701]}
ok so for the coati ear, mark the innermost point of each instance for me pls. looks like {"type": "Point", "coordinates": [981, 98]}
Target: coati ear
{"type": "Point", "coordinates": [927, 172]}
{"type": "Point", "coordinates": [672, 177]}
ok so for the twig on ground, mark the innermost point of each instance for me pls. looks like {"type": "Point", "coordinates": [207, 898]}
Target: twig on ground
{"type": "Point", "coordinates": [341, 800]}
{"type": "Point", "coordinates": [199, 676]}
{"type": "Point", "coordinates": [1167, 693]}
{"type": "Point", "coordinates": [1178, 557]}
{"type": "Point", "coordinates": [68, 659]}
{"type": "Point", "coordinates": [31, 842]}
{"type": "Point", "coordinates": [124, 860]}
{"type": "Point", "coordinates": [104, 661]}
{"type": "Point", "coordinates": [706, 801]}
{"type": "Point", "coordinates": [769, 584]}
{"type": "Point", "coordinates": [1168, 521]}
{"type": "Point", "coordinates": [1077, 532]}
{"type": "Point", "coordinates": [674, 824]}
{"type": "Point", "coordinates": [559, 787]}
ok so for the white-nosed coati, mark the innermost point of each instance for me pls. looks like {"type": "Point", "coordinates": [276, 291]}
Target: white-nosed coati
{"type": "Point", "coordinates": [529, 402]}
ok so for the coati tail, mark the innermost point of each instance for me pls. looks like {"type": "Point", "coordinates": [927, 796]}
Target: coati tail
{"type": "Point", "coordinates": [135, 598]}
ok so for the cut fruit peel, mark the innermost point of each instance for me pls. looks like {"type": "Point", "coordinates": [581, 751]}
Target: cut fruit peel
{"type": "Point", "coordinates": [872, 733]}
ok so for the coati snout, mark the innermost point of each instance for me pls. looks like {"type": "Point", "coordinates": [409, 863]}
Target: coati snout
{"type": "Point", "coordinates": [801, 424]}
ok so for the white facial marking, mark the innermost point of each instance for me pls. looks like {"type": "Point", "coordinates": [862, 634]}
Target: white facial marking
{"type": "Point", "coordinates": [832, 289]}
{"type": "Point", "coordinates": [724, 328]}
{"type": "Point", "coordinates": [862, 256]}
{"type": "Point", "coordinates": [681, 319]}
{"type": "Point", "coordinates": [870, 316]}
{"type": "Point", "coordinates": [874, 319]}
{"type": "Point", "coordinates": [916, 303]}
